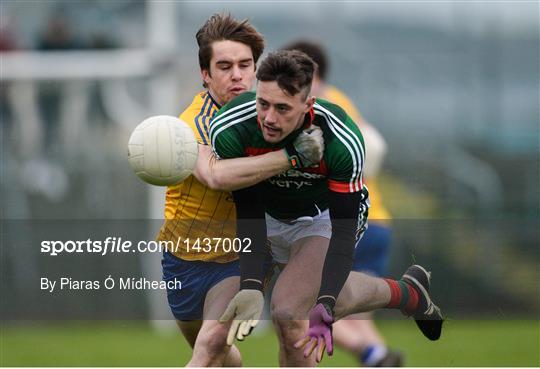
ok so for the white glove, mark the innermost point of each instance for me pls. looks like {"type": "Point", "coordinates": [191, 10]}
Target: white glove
{"type": "Point", "coordinates": [245, 309]}
{"type": "Point", "coordinates": [307, 149]}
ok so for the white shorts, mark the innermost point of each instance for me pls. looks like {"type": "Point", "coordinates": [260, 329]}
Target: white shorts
{"type": "Point", "coordinates": [282, 235]}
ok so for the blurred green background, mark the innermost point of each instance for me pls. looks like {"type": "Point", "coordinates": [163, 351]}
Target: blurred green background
{"type": "Point", "coordinates": [463, 343]}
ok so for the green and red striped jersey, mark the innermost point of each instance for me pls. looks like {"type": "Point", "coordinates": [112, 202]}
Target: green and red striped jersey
{"type": "Point", "coordinates": [234, 132]}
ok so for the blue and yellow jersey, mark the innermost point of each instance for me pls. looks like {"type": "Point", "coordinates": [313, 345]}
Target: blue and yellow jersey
{"type": "Point", "coordinates": [377, 211]}
{"type": "Point", "coordinates": [197, 218]}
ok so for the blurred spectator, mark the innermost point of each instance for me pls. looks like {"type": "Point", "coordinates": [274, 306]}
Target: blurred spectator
{"type": "Point", "coordinates": [7, 39]}
{"type": "Point", "coordinates": [7, 43]}
{"type": "Point", "coordinates": [102, 40]}
{"type": "Point", "coordinates": [57, 35]}
{"type": "Point", "coordinates": [99, 40]}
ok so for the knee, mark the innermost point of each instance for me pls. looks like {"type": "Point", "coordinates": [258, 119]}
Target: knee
{"type": "Point", "coordinates": [213, 341]}
{"type": "Point", "coordinates": [288, 323]}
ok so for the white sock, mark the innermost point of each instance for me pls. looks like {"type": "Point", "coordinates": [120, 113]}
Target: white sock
{"type": "Point", "coordinates": [373, 354]}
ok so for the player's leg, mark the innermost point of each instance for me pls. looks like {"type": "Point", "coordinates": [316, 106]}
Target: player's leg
{"type": "Point", "coordinates": [370, 257]}
{"type": "Point", "coordinates": [410, 294]}
{"type": "Point", "coordinates": [190, 330]}
{"type": "Point", "coordinates": [362, 293]}
{"type": "Point", "coordinates": [188, 304]}
{"type": "Point", "coordinates": [294, 294]}
{"type": "Point", "coordinates": [358, 333]}
{"type": "Point", "coordinates": [355, 332]}
{"type": "Point", "coordinates": [211, 347]}
{"type": "Point", "coordinates": [216, 302]}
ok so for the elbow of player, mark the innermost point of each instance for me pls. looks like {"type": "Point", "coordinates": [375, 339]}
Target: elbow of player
{"type": "Point", "coordinates": [215, 184]}
{"type": "Point", "coordinates": [208, 176]}
{"type": "Point", "coordinates": [218, 182]}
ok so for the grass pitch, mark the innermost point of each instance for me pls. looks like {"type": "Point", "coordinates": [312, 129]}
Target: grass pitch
{"type": "Point", "coordinates": [463, 343]}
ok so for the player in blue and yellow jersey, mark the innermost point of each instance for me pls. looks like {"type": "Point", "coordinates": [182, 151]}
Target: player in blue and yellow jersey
{"type": "Point", "coordinates": [198, 218]}
{"type": "Point", "coordinates": [314, 215]}
{"type": "Point", "coordinates": [358, 333]}
{"type": "Point", "coordinates": [201, 208]}
{"type": "Point", "coordinates": [228, 51]}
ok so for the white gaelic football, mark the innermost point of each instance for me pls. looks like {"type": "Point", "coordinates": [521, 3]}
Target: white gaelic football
{"type": "Point", "coordinates": [162, 150]}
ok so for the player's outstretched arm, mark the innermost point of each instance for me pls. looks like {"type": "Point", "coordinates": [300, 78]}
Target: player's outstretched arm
{"type": "Point", "coordinates": [345, 209]}
{"type": "Point", "coordinates": [241, 172]}
{"type": "Point", "coordinates": [246, 307]}
{"type": "Point", "coordinates": [237, 173]}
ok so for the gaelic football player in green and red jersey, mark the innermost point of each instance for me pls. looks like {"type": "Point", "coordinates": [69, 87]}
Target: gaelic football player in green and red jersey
{"type": "Point", "coordinates": [358, 333]}
{"type": "Point", "coordinates": [196, 213]}
{"type": "Point", "coordinates": [313, 217]}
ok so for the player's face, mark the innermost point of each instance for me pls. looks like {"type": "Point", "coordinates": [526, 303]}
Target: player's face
{"type": "Point", "coordinates": [232, 70]}
{"type": "Point", "coordinates": [280, 114]}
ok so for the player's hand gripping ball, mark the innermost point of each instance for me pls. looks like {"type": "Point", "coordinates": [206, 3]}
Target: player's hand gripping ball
{"type": "Point", "coordinates": [162, 150]}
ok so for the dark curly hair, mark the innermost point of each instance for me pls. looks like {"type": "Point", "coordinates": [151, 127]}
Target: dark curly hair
{"type": "Point", "coordinates": [291, 69]}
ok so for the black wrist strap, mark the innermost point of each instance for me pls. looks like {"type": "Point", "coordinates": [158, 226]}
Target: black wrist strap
{"type": "Point", "coordinates": [328, 303]}
{"type": "Point", "coordinates": [294, 157]}
{"type": "Point", "coordinates": [251, 284]}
